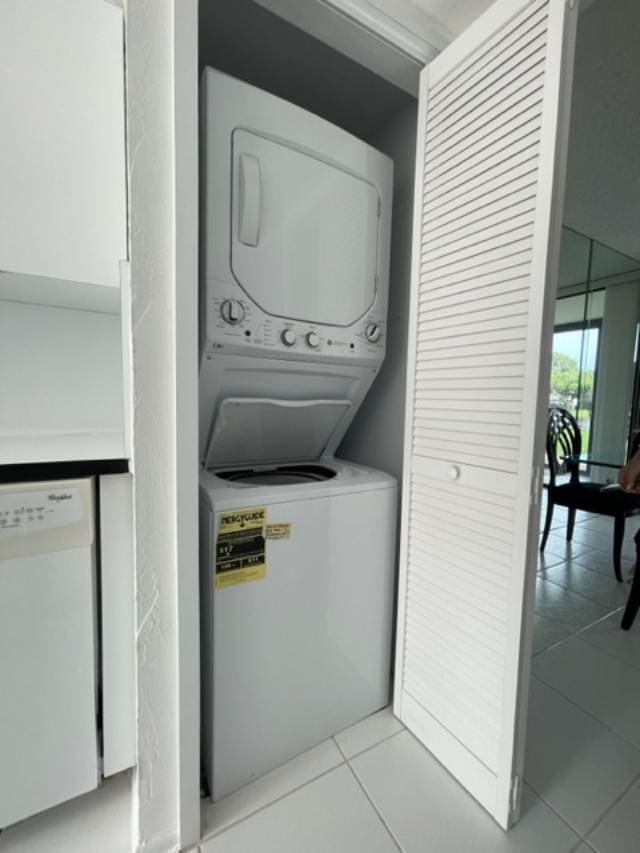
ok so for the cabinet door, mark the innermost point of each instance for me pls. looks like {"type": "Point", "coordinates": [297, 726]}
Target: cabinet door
{"type": "Point", "coordinates": [63, 231]}
{"type": "Point", "coordinates": [62, 170]}
{"type": "Point", "coordinates": [490, 174]}
{"type": "Point", "coordinates": [48, 664]}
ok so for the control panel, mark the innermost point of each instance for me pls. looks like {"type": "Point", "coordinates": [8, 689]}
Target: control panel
{"type": "Point", "coordinates": [235, 324]}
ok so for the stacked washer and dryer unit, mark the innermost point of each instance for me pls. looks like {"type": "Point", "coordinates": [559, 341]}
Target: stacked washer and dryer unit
{"type": "Point", "coordinates": [297, 547]}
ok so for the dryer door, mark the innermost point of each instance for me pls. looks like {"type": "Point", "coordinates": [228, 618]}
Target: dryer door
{"type": "Point", "coordinates": [305, 233]}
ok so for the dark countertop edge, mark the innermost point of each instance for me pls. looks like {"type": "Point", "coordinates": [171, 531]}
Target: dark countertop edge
{"type": "Point", "coordinates": [30, 472]}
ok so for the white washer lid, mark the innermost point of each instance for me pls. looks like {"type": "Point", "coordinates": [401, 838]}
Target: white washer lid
{"type": "Point", "coordinates": [250, 431]}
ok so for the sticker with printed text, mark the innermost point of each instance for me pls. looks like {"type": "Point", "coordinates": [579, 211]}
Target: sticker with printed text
{"type": "Point", "coordinates": [240, 547]}
{"type": "Point", "coordinates": [280, 530]}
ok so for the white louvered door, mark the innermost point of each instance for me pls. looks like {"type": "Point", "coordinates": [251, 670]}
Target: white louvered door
{"type": "Point", "coordinates": [491, 149]}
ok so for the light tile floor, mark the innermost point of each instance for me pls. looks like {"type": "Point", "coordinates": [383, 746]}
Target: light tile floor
{"type": "Point", "coordinates": [374, 788]}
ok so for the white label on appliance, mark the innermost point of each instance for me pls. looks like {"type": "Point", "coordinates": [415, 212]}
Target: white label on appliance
{"type": "Point", "coordinates": [22, 513]}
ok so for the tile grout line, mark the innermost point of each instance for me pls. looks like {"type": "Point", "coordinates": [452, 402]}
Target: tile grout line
{"type": "Point", "coordinates": [216, 832]}
{"type": "Point", "coordinates": [374, 806]}
{"type": "Point", "coordinates": [560, 817]}
{"type": "Point", "coordinates": [610, 808]}
{"type": "Point", "coordinates": [588, 598]}
{"type": "Point", "coordinates": [542, 572]}
{"type": "Point", "coordinates": [371, 746]}
{"type": "Point", "coordinates": [607, 652]}
{"type": "Point", "coordinates": [584, 836]}
{"type": "Point", "coordinates": [576, 633]}
{"type": "Point", "coordinates": [572, 633]}
{"type": "Point", "coordinates": [588, 713]}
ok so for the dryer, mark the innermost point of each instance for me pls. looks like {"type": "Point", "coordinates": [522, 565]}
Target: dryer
{"type": "Point", "coordinates": [297, 548]}
{"type": "Point", "coordinates": [296, 236]}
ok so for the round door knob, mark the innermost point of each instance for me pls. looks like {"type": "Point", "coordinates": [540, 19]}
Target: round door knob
{"type": "Point", "coordinates": [232, 311]}
{"type": "Point", "coordinates": [372, 333]}
{"type": "Point", "coordinates": [312, 339]}
{"type": "Point", "coordinates": [454, 472]}
{"type": "Point", "coordinates": [288, 337]}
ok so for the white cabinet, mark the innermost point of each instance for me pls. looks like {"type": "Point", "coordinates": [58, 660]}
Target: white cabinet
{"type": "Point", "coordinates": [61, 384]}
{"type": "Point", "coordinates": [62, 170]}
{"type": "Point", "coordinates": [63, 232]}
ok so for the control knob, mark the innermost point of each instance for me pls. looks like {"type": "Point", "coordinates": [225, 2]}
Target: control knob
{"type": "Point", "coordinates": [232, 311]}
{"type": "Point", "coordinates": [372, 333]}
{"type": "Point", "coordinates": [288, 337]}
{"type": "Point", "coordinates": [312, 339]}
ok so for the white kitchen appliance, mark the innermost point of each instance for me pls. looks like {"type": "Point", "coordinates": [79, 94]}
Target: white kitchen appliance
{"type": "Point", "coordinates": [297, 548]}
{"type": "Point", "coordinates": [297, 625]}
{"type": "Point", "coordinates": [48, 672]}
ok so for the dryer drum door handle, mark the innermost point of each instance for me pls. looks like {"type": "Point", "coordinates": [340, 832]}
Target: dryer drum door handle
{"type": "Point", "coordinates": [249, 208]}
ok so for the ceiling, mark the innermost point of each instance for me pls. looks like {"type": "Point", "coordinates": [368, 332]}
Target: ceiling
{"type": "Point", "coordinates": [453, 16]}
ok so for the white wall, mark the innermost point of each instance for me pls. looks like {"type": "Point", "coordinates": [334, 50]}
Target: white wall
{"type": "Point", "coordinates": [376, 436]}
{"type": "Point", "coordinates": [149, 45]}
{"type": "Point", "coordinates": [614, 386]}
{"type": "Point", "coordinates": [162, 137]}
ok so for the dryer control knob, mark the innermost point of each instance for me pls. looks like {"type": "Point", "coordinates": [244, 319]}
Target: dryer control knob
{"type": "Point", "coordinates": [232, 311]}
{"type": "Point", "coordinates": [288, 337]}
{"type": "Point", "coordinates": [372, 333]}
{"type": "Point", "coordinates": [313, 340]}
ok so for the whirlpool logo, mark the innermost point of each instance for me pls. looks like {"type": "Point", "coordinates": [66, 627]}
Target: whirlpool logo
{"type": "Point", "coordinates": [65, 496]}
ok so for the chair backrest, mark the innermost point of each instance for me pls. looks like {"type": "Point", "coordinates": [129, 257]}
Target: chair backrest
{"type": "Point", "coordinates": [563, 441]}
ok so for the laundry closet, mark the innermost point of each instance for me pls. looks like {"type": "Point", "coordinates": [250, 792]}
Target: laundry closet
{"type": "Point", "coordinates": [296, 233]}
{"type": "Point", "coordinates": [303, 373]}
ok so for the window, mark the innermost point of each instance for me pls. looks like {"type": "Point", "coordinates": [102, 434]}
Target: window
{"type": "Point", "coordinates": [573, 372]}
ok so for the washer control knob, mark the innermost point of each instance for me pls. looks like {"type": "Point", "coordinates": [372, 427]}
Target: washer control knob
{"type": "Point", "coordinates": [232, 311]}
{"type": "Point", "coordinates": [288, 337]}
{"type": "Point", "coordinates": [313, 340]}
{"type": "Point", "coordinates": [454, 472]}
{"type": "Point", "coordinates": [372, 333]}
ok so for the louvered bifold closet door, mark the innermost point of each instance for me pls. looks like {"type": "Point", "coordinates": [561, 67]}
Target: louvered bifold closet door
{"type": "Point", "coordinates": [491, 149]}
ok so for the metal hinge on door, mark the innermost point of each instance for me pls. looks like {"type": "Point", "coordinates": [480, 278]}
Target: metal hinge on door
{"type": "Point", "coordinates": [536, 485]}
{"type": "Point", "coordinates": [514, 799]}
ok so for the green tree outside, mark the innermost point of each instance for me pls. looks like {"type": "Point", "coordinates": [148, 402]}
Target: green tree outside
{"type": "Point", "coordinates": [566, 385]}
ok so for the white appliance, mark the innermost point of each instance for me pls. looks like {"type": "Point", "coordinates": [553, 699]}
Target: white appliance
{"type": "Point", "coordinates": [296, 233]}
{"type": "Point", "coordinates": [48, 739]}
{"type": "Point", "coordinates": [302, 650]}
{"type": "Point", "coordinates": [297, 548]}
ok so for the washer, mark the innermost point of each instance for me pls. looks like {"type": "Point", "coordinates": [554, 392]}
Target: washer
{"type": "Point", "coordinates": [302, 649]}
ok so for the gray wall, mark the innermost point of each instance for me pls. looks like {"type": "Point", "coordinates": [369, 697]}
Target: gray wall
{"type": "Point", "coordinates": [246, 41]}
{"type": "Point", "coordinates": [376, 436]}
{"type": "Point", "coordinates": [249, 43]}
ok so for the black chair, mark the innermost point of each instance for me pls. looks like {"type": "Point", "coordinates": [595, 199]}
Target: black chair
{"type": "Point", "coordinates": [633, 602]}
{"type": "Point", "coordinates": [564, 446]}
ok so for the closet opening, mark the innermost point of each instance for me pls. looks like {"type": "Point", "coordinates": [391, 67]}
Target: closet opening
{"type": "Point", "coordinates": [301, 446]}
